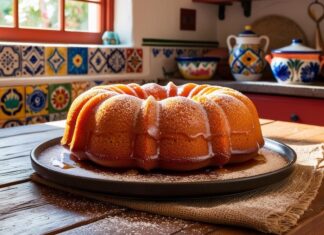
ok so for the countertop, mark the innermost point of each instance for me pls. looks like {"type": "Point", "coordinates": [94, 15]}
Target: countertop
{"type": "Point", "coordinates": [264, 87]}
{"type": "Point", "coordinates": [26, 207]}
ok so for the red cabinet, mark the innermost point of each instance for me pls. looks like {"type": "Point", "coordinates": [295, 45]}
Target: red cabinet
{"type": "Point", "coordinates": [286, 108]}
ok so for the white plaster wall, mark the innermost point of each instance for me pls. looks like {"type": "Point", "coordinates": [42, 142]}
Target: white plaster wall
{"type": "Point", "coordinates": [293, 9]}
{"type": "Point", "coordinates": [123, 21]}
{"type": "Point", "coordinates": [161, 19]}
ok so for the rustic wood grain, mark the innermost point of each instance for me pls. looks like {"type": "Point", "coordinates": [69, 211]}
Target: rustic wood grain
{"type": "Point", "coordinates": [292, 133]}
{"type": "Point", "coordinates": [15, 153]}
{"type": "Point", "coordinates": [15, 170]}
{"type": "Point", "coordinates": [29, 138]}
{"type": "Point", "coordinates": [27, 208]}
{"type": "Point", "coordinates": [132, 222]}
{"type": "Point", "coordinates": [197, 228]}
{"type": "Point", "coordinates": [266, 121]}
{"type": "Point", "coordinates": [22, 130]}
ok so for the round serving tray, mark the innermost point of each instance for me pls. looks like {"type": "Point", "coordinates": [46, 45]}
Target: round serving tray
{"type": "Point", "coordinates": [55, 163]}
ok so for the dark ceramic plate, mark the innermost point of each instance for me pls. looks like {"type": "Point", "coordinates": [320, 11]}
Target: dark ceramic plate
{"type": "Point", "coordinates": [53, 162]}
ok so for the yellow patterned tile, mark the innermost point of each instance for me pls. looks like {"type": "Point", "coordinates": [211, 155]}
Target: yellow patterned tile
{"type": "Point", "coordinates": [12, 102]}
{"type": "Point", "coordinates": [36, 100]}
{"type": "Point", "coordinates": [55, 61]}
{"type": "Point", "coordinates": [12, 123]}
{"type": "Point", "coordinates": [78, 88]}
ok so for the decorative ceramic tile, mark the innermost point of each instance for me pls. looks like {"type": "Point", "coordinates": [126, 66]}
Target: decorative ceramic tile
{"type": "Point", "coordinates": [12, 103]}
{"type": "Point", "coordinates": [57, 116]}
{"type": "Point", "coordinates": [181, 52]}
{"type": "Point", "coordinates": [98, 60]}
{"type": "Point", "coordinates": [96, 83]}
{"type": "Point", "coordinates": [55, 61]}
{"type": "Point", "coordinates": [36, 100]}
{"type": "Point", "coordinates": [59, 97]}
{"type": "Point", "coordinates": [156, 52]}
{"type": "Point", "coordinates": [10, 61]}
{"type": "Point", "coordinates": [205, 50]}
{"type": "Point", "coordinates": [12, 123]}
{"type": "Point", "coordinates": [37, 119]}
{"type": "Point", "coordinates": [78, 88]}
{"type": "Point", "coordinates": [33, 61]}
{"type": "Point", "coordinates": [77, 60]}
{"type": "Point", "coordinates": [117, 60]}
{"type": "Point", "coordinates": [168, 52]}
{"type": "Point", "coordinates": [193, 52]}
{"type": "Point", "coordinates": [134, 60]}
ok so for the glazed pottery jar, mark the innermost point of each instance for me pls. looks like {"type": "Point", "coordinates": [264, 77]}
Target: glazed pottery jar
{"type": "Point", "coordinates": [247, 56]}
{"type": "Point", "coordinates": [295, 63]}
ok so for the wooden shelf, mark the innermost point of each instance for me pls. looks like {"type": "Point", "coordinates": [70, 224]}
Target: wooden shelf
{"type": "Point", "coordinates": [246, 4]}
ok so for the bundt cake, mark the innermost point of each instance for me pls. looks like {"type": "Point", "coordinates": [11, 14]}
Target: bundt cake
{"type": "Point", "coordinates": [152, 126]}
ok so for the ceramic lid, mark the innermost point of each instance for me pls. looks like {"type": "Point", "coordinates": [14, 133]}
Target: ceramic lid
{"type": "Point", "coordinates": [248, 32]}
{"type": "Point", "coordinates": [296, 47]}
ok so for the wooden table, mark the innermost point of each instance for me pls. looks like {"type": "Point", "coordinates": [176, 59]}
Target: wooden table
{"type": "Point", "coordinates": [33, 209]}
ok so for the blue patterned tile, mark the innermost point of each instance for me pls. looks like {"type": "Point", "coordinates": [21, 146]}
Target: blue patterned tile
{"type": "Point", "coordinates": [98, 60]}
{"type": "Point", "coordinates": [33, 63]}
{"type": "Point", "coordinates": [168, 52]}
{"type": "Point", "coordinates": [180, 52]}
{"type": "Point", "coordinates": [10, 61]}
{"type": "Point", "coordinates": [77, 60]}
{"type": "Point", "coordinates": [36, 100]}
{"type": "Point", "coordinates": [156, 52]}
{"type": "Point", "coordinates": [117, 61]}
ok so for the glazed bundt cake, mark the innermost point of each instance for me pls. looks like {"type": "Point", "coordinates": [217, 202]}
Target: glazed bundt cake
{"type": "Point", "coordinates": [151, 126]}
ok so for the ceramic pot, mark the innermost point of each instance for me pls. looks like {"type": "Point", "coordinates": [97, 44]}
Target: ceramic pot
{"type": "Point", "coordinates": [247, 56]}
{"type": "Point", "coordinates": [295, 63]}
{"type": "Point", "coordinates": [110, 38]}
{"type": "Point", "coordinates": [199, 68]}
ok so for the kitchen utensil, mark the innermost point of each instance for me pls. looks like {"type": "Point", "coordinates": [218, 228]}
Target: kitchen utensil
{"type": "Point", "coordinates": [247, 56]}
{"type": "Point", "coordinates": [318, 19]}
{"type": "Point", "coordinates": [295, 63]}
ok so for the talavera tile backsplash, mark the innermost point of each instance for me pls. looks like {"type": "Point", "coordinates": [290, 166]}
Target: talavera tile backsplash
{"type": "Point", "coordinates": [26, 61]}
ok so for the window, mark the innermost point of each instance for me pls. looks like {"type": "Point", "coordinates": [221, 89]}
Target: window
{"type": "Point", "coordinates": [55, 21]}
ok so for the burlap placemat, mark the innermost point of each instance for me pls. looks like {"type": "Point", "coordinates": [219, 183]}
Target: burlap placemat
{"type": "Point", "coordinates": [274, 209]}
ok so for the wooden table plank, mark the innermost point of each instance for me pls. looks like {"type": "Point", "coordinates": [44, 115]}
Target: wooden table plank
{"type": "Point", "coordinates": [132, 222]}
{"type": "Point", "coordinates": [21, 130]}
{"type": "Point", "coordinates": [292, 133]}
{"type": "Point", "coordinates": [15, 170]}
{"type": "Point", "coordinates": [266, 121]}
{"type": "Point", "coordinates": [15, 154]}
{"type": "Point", "coordinates": [29, 138]}
{"type": "Point", "coordinates": [34, 209]}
